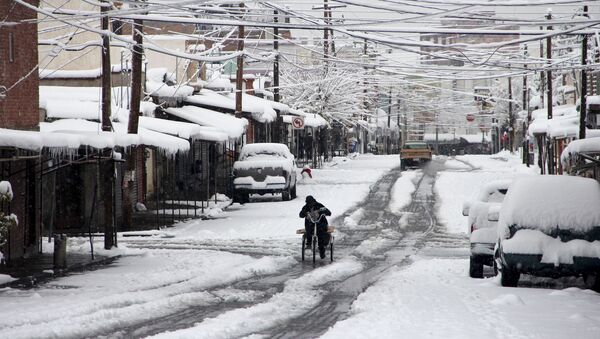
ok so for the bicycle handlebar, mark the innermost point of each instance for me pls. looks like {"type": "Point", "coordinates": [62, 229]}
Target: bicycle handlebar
{"type": "Point", "coordinates": [309, 216]}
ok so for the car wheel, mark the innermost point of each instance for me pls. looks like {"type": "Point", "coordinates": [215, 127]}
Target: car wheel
{"type": "Point", "coordinates": [303, 245]}
{"type": "Point", "coordinates": [509, 277]}
{"type": "Point", "coordinates": [294, 192]}
{"type": "Point", "coordinates": [285, 195]}
{"type": "Point", "coordinates": [596, 284]}
{"type": "Point", "coordinates": [475, 267]}
{"type": "Point", "coordinates": [495, 267]}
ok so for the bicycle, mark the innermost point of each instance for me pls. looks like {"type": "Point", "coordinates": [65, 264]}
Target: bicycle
{"type": "Point", "coordinates": [330, 229]}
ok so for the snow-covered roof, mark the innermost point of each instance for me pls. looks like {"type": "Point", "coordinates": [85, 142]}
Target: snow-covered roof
{"type": "Point", "coordinates": [591, 145]}
{"type": "Point", "coordinates": [78, 74]}
{"type": "Point", "coordinates": [73, 133]}
{"type": "Point", "coordinates": [219, 83]}
{"type": "Point", "coordinates": [156, 86]}
{"type": "Point", "coordinates": [262, 110]}
{"type": "Point", "coordinates": [564, 123]}
{"type": "Point", "coordinates": [548, 202]}
{"type": "Point", "coordinates": [210, 98]}
{"type": "Point", "coordinates": [593, 100]}
{"type": "Point", "coordinates": [184, 130]}
{"type": "Point", "coordinates": [233, 127]}
{"type": "Point", "coordinates": [62, 102]}
{"type": "Point", "coordinates": [161, 89]}
{"type": "Point", "coordinates": [557, 111]}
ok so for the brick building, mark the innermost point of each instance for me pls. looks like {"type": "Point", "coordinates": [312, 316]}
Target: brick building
{"type": "Point", "coordinates": [19, 109]}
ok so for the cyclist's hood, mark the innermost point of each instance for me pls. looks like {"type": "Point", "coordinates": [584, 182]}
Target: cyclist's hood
{"type": "Point", "coordinates": [310, 200]}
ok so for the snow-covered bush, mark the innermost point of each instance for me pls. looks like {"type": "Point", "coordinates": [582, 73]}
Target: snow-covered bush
{"type": "Point", "coordinates": [6, 221]}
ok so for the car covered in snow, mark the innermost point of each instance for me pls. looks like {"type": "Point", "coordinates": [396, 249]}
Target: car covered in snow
{"type": "Point", "coordinates": [482, 212]}
{"type": "Point", "coordinates": [550, 226]}
{"type": "Point", "coordinates": [264, 168]}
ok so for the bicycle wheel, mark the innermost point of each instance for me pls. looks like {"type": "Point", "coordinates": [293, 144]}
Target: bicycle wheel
{"type": "Point", "coordinates": [314, 249]}
{"type": "Point", "coordinates": [331, 248]}
{"type": "Point", "coordinates": [303, 244]}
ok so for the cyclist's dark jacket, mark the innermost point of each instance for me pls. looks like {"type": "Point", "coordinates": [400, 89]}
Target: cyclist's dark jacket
{"type": "Point", "coordinates": [315, 206]}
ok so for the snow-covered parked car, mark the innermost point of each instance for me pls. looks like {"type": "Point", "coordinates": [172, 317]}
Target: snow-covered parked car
{"type": "Point", "coordinates": [481, 225]}
{"type": "Point", "coordinates": [265, 168]}
{"type": "Point", "coordinates": [550, 226]}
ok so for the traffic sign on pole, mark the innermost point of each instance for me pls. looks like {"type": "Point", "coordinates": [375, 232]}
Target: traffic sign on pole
{"type": "Point", "coordinates": [298, 122]}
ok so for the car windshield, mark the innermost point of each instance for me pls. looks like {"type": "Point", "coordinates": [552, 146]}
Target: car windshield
{"type": "Point", "coordinates": [497, 195]}
{"type": "Point", "coordinates": [265, 153]}
{"type": "Point", "coordinates": [265, 150]}
{"type": "Point", "coordinates": [416, 146]}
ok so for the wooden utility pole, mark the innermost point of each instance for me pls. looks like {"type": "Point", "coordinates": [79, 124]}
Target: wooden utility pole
{"type": "Point", "coordinates": [583, 106]}
{"type": "Point", "coordinates": [526, 107]}
{"type": "Point", "coordinates": [542, 74]}
{"type": "Point", "coordinates": [325, 34]}
{"type": "Point", "coordinates": [525, 103]}
{"type": "Point", "coordinates": [511, 118]}
{"type": "Point", "coordinates": [239, 79]}
{"type": "Point", "coordinates": [106, 166]}
{"type": "Point", "coordinates": [276, 131]}
{"type": "Point", "coordinates": [106, 68]}
{"type": "Point", "coordinates": [276, 63]}
{"type": "Point", "coordinates": [132, 127]}
{"type": "Point", "coordinates": [136, 76]}
{"type": "Point", "coordinates": [549, 72]}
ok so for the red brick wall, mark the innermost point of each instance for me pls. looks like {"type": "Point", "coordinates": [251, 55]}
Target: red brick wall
{"type": "Point", "coordinates": [20, 108]}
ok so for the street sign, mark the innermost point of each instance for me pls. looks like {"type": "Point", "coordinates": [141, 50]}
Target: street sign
{"type": "Point", "coordinates": [298, 122]}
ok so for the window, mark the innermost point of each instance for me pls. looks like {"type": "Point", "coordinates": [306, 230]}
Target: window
{"type": "Point", "coordinates": [10, 48]}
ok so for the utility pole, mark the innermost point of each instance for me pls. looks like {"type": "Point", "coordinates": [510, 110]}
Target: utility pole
{"type": "Point", "coordinates": [549, 72]}
{"type": "Point", "coordinates": [276, 63]}
{"type": "Point", "coordinates": [542, 74]}
{"type": "Point", "coordinates": [240, 73]}
{"type": "Point", "coordinates": [106, 68]}
{"type": "Point", "coordinates": [526, 107]}
{"type": "Point", "coordinates": [389, 122]}
{"type": "Point", "coordinates": [276, 131]}
{"type": "Point", "coordinates": [582, 107]}
{"type": "Point", "coordinates": [326, 34]}
{"type": "Point", "coordinates": [106, 167]}
{"type": "Point", "coordinates": [134, 115]}
{"type": "Point", "coordinates": [511, 118]}
{"type": "Point", "coordinates": [549, 104]}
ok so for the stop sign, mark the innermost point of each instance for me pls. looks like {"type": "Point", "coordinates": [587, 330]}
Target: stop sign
{"type": "Point", "coordinates": [470, 117]}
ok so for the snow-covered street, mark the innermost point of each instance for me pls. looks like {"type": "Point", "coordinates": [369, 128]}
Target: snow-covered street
{"type": "Point", "coordinates": [400, 270]}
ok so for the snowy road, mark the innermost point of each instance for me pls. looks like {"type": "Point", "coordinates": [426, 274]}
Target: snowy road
{"type": "Point", "coordinates": [400, 270]}
{"type": "Point", "coordinates": [368, 240]}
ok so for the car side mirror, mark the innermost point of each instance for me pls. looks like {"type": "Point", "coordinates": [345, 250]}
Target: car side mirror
{"type": "Point", "coordinates": [494, 212]}
{"type": "Point", "coordinates": [465, 209]}
{"type": "Point", "coordinates": [493, 216]}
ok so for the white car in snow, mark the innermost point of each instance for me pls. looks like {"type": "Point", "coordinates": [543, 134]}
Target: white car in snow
{"type": "Point", "coordinates": [549, 226]}
{"type": "Point", "coordinates": [264, 168]}
{"type": "Point", "coordinates": [481, 225]}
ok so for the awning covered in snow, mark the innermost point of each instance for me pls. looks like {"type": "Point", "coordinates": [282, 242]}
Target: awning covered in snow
{"type": "Point", "coordinates": [74, 133]}
{"type": "Point", "coordinates": [310, 120]}
{"type": "Point", "coordinates": [67, 139]}
{"type": "Point", "coordinates": [226, 123]}
{"type": "Point", "coordinates": [61, 102]}
{"type": "Point", "coordinates": [184, 130]}
{"type": "Point", "coordinates": [262, 110]}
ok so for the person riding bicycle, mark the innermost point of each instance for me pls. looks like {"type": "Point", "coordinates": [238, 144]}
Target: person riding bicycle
{"type": "Point", "coordinates": [317, 212]}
